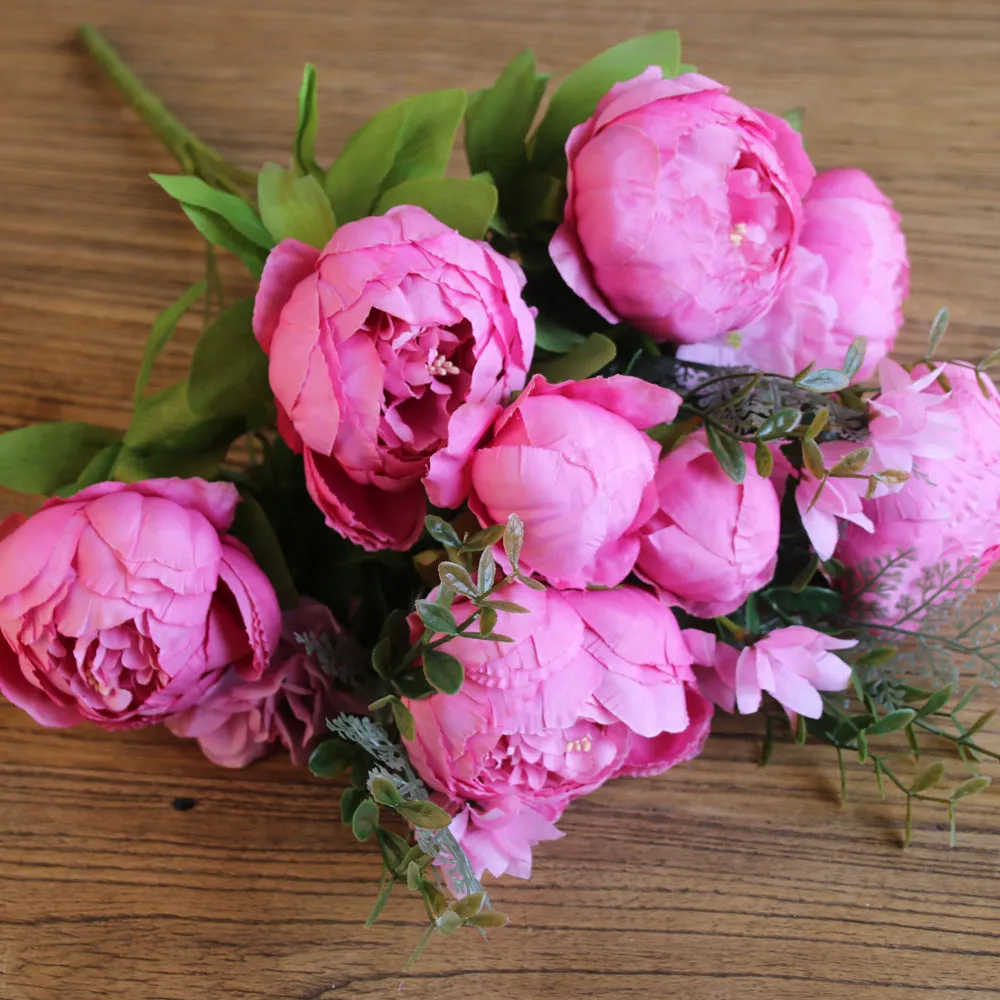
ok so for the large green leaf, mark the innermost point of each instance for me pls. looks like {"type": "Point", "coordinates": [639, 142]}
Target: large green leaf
{"type": "Point", "coordinates": [410, 139]}
{"type": "Point", "coordinates": [498, 119]}
{"type": "Point", "coordinates": [42, 458]}
{"type": "Point", "coordinates": [163, 330]}
{"type": "Point", "coordinates": [220, 233]}
{"type": "Point", "coordinates": [194, 191]}
{"type": "Point", "coordinates": [294, 207]}
{"type": "Point", "coordinates": [464, 204]}
{"type": "Point", "coordinates": [228, 375]}
{"type": "Point", "coordinates": [304, 147]}
{"type": "Point", "coordinates": [576, 97]}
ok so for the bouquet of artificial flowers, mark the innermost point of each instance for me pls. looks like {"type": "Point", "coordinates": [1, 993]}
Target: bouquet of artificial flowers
{"type": "Point", "coordinates": [540, 467]}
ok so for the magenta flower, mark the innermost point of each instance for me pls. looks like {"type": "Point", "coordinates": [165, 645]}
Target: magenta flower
{"type": "Point", "coordinates": [683, 208]}
{"type": "Point", "coordinates": [595, 684]}
{"type": "Point", "coordinates": [238, 721]}
{"type": "Point", "coordinates": [122, 604]}
{"type": "Point", "coordinates": [711, 542]}
{"type": "Point", "coordinates": [571, 461]}
{"type": "Point", "coordinates": [373, 343]}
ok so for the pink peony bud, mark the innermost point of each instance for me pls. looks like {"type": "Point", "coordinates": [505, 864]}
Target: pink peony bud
{"type": "Point", "coordinates": [571, 461]}
{"type": "Point", "coordinates": [711, 542]}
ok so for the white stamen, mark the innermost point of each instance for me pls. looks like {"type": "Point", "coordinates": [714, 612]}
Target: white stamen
{"type": "Point", "coordinates": [438, 365]}
{"type": "Point", "coordinates": [739, 231]}
{"type": "Point", "coordinates": [583, 746]}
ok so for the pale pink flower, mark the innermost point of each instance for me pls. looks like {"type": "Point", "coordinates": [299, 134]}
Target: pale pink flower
{"type": "Point", "coordinates": [911, 420]}
{"type": "Point", "coordinates": [793, 665]}
{"type": "Point", "coordinates": [499, 840]}
{"type": "Point", "coordinates": [373, 342]}
{"type": "Point", "coordinates": [683, 207]}
{"type": "Point", "coordinates": [841, 499]}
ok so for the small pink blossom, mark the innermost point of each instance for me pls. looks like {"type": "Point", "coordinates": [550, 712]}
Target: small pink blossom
{"type": "Point", "coordinates": [499, 840]}
{"type": "Point", "coordinates": [911, 420]}
{"type": "Point", "coordinates": [840, 499]}
{"type": "Point", "coordinates": [792, 665]}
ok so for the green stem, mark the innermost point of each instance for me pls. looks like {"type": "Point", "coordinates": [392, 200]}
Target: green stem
{"type": "Point", "coordinates": [195, 156]}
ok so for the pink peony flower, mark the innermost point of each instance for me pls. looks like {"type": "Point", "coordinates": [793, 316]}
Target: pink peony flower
{"type": "Point", "coordinates": [594, 685]}
{"type": "Point", "coordinates": [238, 721]}
{"type": "Point", "coordinates": [683, 207]}
{"type": "Point", "coordinates": [373, 343]}
{"type": "Point", "coordinates": [570, 460]}
{"type": "Point", "coordinates": [947, 516]}
{"type": "Point", "coordinates": [123, 603]}
{"type": "Point", "coordinates": [711, 542]}
{"type": "Point", "coordinates": [791, 664]}
{"type": "Point", "coordinates": [848, 279]}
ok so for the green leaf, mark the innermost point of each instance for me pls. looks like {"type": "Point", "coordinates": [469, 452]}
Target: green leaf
{"type": "Point", "coordinates": [483, 539]}
{"type": "Point", "coordinates": [763, 460]}
{"type": "Point", "coordinates": [394, 849]}
{"type": "Point", "coordinates": [576, 97]}
{"type": "Point", "coordinates": [443, 671]}
{"type": "Point", "coordinates": [463, 203]}
{"type": "Point", "coordinates": [795, 117]}
{"type": "Point", "coordinates": [935, 702]}
{"type": "Point", "coordinates": [457, 577]}
{"type": "Point", "coordinates": [448, 923]}
{"type": "Point", "coordinates": [385, 792]}
{"type": "Point", "coordinates": [219, 233]}
{"type": "Point", "coordinates": [852, 463]}
{"type": "Point", "coordinates": [350, 799]}
{"type": "Point", "coordinates": [824, 380]}
{"type": "Point", "coordinates": [470, 905]}
{"type": "Point", "coordinates": [294, 207]}
{"type": "Point", "coordinates": [404, 720]}
{"type": "Point", "coordinates": [728, 452]}
{"type": "Point", "coordinates": [488, 920]}
{"type": "Point", "coordinates": [817, 424]}
{"type": "Point", "coordinates": [228, 375]}
{"type": "Point", "coordinates": [97, 470]}
{"type": "Point", "coordinates": [413, 685]}
{"type": "Point", "coordinates": [41, 458]}
{"type": "Point", "coordinates": [304, 146]}
{"type": "Point", "coordinates": [487, 621]}
{"type": "Point", "coordinates": [382, 657]}
{"type": "Point", "coordinates": [486, 572]}
{"type": "Point", "coordinates": [163, 329]}
{"type": "Point", "coordinates": [892, 722]}
{"type": "Point", "coordinates": [971, 786]}
{"type": "Point", "coordinates": [779, 424]}
{"type": "Point", "coordinates": [555, 338]}
{"type": "Point", "coordinates": [812, 457]}
{"type": "Point", "coordinates": [364, 822]}
{"type": "Point", "coordinates": [513, 539]}
{"type": "Point", "coordinates": [855, 357]}
{"type": "Point", "coordinates": [980, 722]}
{"type": "Point", "coordinates": [410, 139]}
{"type": "Point", "coordinates": [436, 618]}
{"type": "Point", "coordinates": [582, 361]}
{"type": "Point", "coordinates": [498, 120]}
{"type": "Point", "coordinates": [234, 210]}
{"type": "Point", "coordinates": [876, 657]}
{"type": "Point", "coordinates": [388, 883]}
{"type": "Point", "coordinates": [510, 607]}
{"type": "Point", "coordinates": [252, 527]}
{"type": "Point", "coordinates": [424, 815]}
{"type": "Point", "coordinates": [809, 600]}
{"type": "Point", "coordinates": [928, 777]}
{"type": "Point", "coordinates": [330, 758]}
{"type": "Point", "coordinates": [938, 328]}
{"type": "Point", "coordinates": [441, 531]}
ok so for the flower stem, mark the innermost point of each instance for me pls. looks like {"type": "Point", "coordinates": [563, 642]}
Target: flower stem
{"type": "Point", "coordinates": [195, 156]}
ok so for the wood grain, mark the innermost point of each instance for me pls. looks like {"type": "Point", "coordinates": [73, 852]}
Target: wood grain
{"type": "Point", "coordinates": [719, 881]}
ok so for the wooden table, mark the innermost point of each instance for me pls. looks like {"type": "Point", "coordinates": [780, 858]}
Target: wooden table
{"type": "Point", "coordinates": [720, 880]}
